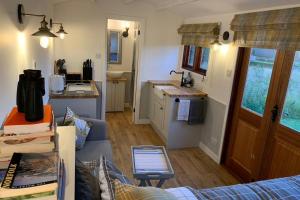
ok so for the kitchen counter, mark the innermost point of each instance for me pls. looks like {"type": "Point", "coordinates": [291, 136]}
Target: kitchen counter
{"type": "Point", "coordinates": [116, 79]}
{"type": "Point", "coordinates": [178, 91]}
{"type": "Point", "coordinates": [77, 94]}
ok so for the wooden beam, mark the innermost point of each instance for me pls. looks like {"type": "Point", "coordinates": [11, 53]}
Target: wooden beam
{"type": "Point", "coordinates": [173, 3]}
{"type": "Point", "coordinates": [129, 1]}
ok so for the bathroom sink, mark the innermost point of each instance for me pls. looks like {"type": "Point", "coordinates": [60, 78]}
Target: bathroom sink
{"type": "Point", "coordinates": [114, 74]}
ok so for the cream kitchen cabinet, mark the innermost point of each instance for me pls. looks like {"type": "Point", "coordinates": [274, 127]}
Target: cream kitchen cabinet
{"type": "Point", "coordinates": [115, 95]}
{"type": "Point", "coordinates": [163, 108]}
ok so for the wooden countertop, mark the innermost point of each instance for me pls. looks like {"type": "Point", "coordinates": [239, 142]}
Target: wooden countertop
{"type": "Point", "coordinates": [77, 95]}
{"type": "Point", "coordinates": [178, 91]}
{"type": "Point", "coordinates": [116, 79]}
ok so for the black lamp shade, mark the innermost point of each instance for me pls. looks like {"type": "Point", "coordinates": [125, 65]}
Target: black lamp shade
{"type": "Point", "coordinates": [61, 30]}
{"type": "Point", "coordinates": [44, 30]}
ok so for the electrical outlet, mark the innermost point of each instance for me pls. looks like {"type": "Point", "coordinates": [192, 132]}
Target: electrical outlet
{"type": "Point", "coordinates": [214, 141]}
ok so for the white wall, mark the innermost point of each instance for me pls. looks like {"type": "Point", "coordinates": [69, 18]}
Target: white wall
{"type": "Point", "coordinates": [19, 50]}
{"type": "Point", "coordinates": [127, 45]}
{"type": "Point", "coordinates": [86, 21]}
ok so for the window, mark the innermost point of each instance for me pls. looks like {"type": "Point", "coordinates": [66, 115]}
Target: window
{"type": "Point", "coordinates": [195, 59]}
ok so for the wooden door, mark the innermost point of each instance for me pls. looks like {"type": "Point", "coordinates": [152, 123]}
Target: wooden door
{"type": "Point", "coordinates": [251, 112]}
{"type": "Point", "coordinates": [283, 155]}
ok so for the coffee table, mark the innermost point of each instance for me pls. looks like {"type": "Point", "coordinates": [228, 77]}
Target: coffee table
{"type": "Point", "coordinates": [151, 163]}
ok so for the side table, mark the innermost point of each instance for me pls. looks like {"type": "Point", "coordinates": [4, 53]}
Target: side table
{"type": "Point", "coordinates": [151, 163]}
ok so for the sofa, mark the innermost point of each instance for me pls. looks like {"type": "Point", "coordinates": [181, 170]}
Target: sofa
{"type": "Point", "coordinates": [97, 142]}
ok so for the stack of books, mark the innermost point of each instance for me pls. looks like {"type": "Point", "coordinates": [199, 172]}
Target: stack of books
{"type": "Point", "coordinates": [21, 136]}
{"type": "Point", "coordinates": [37, 176]}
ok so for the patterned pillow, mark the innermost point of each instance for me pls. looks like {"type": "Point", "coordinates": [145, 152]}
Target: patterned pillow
{"type": "Point", "coordinates": [93, 166]}
{"type": "Point", "coordinates": [130, 192]}
{"type": "Point", "coordinates": [82, 127]}
{"type": "Point", "coordinates": [108, 172]}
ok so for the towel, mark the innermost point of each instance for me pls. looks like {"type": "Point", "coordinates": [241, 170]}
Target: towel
{"type": "Point", "coordinates": [198, 108]}
{"type": "Point", "coordinates": [183, 110]}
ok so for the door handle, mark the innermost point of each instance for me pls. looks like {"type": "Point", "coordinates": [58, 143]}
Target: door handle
{"type": "Point", "coordinates": [274, 111]}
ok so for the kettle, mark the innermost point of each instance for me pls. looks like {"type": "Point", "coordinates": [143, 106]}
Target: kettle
{"type": "Point", "coordinates": [30, 92]}
{"type": "Point", "coordinates": [57, 83]}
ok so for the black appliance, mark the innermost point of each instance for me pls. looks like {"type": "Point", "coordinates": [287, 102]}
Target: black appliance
{"type": "Point", "coordinates": [30, 92]}
{"type": "Point", "coordinates": [87, 70]}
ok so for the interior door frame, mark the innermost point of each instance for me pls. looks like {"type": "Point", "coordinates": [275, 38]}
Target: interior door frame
{"type": "Point", "coordinates": [233, 98]}
{"type": "Point", "coordinates": [137, 88]}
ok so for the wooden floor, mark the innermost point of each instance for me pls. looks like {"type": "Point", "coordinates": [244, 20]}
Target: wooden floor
{"type": "Point", "coordinates": [192, 167]}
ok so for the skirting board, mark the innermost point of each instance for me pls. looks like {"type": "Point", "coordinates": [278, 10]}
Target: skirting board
{"type": "Point", "coordinates": [211, 154]}
{"type": "Point", "coordinates": [143, 121]}
{"type": "Point", "coordinates": [126, 105]}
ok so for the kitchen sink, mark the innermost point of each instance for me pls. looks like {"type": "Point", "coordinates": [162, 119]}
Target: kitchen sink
{"type": "Point", "coordinates": [79, 87]}
{"type": "Point", "coordinates": [158, 90]}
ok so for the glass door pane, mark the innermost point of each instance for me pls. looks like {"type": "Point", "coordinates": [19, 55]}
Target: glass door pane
{"type": "Point", "coordinates": [291, 110]}
{"type": "Point", "coordinates": [259, 74]}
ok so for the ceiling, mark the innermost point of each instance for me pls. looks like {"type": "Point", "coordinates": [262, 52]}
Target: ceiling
{"type": "Point", "coordinates": [191, 8]}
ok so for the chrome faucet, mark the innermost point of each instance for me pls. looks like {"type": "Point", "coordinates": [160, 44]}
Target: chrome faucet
{"type": "Point", "coordinates": [182, 74]}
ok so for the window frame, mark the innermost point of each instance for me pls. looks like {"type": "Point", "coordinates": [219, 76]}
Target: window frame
{"type": "Point", "coordinates": [197, 60]}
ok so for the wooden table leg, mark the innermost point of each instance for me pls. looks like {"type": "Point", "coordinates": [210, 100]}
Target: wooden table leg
{"type": "Point", "coordinates": [142, 183]}
{"type": "Point", "coordinates": [149, 182]}
{"type": "Point", "coordinates": [160, 183]}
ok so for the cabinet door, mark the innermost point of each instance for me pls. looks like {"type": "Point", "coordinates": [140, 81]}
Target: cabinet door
{"type": "Point", "coordinates": [158, 117]}
{"type": "Point", "coordinates": [151, 103]}
{"type": "Point", "coordinates": [110, 96]}
{"type": "Point", "coordinates": [119, 96]}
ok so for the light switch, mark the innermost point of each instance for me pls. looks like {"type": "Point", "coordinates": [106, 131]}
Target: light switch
{"type": "Point", "coordinates": [229, 73]}
{"type": "Point", "coordinates": [98, 55]}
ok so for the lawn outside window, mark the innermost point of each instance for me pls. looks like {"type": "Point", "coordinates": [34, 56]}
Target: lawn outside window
{"type": "Point", "coordinates": [195, 59]}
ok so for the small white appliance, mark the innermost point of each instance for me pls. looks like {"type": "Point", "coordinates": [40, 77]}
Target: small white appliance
{"type": "Point", "coordinates": [57, 83]}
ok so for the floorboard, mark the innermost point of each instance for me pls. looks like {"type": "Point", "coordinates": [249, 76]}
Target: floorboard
{"type": "Point", "coordinates": [192, 166]}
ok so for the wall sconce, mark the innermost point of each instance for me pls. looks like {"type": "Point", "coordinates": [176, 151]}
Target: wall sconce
{"type": "Point", "coordinates": [125, 33]}
{"type": "Point", "coordinates": [61, 32]}
{"type": "Point", "coordinates": [43, 32]}
{"type": "Point", "coordinates": [216, 41]}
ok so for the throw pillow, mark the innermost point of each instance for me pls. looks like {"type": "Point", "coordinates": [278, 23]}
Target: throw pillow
{"type": "Point", "coordinates": [82, 127]}
{"type": "Point", "coordinates": [86, 185]}
{"type": "Point", "coordinates": [108, 172]}
{"type": "Point", "coordinates": [93, 166]}
{"type": "Point", "coordinates": [130, 192]}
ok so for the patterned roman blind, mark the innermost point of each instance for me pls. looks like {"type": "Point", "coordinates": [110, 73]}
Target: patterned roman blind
{"type": "Point", "coordinates": [278, 29]}
{"type": "Point", "coordinates": [199, 34]}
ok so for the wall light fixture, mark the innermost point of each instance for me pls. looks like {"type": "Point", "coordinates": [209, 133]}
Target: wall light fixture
{"type": "Point", "coordinates": [61, 32]}
{"type": "Point", "coordinates": [44, 32]}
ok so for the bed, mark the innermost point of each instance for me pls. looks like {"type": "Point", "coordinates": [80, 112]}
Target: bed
{"type": "Point", "coordinates": [282, 188]}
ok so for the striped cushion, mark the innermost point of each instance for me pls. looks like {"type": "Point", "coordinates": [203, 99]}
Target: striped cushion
{"type": "Point", "coordinates": [130, 192]}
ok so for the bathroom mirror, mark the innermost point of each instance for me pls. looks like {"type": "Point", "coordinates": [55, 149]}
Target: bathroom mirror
{"type": "Point", "coordinates": [114, 47]}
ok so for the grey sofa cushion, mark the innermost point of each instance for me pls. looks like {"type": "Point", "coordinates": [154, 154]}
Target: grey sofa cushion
{"type": "Point", "coordinates": [93, 150]}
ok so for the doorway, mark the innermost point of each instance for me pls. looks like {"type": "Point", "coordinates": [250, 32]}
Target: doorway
{"type": "Point", "coordinates": [122, 64]}
{"type": "Point", "coordinates": [264, 129]}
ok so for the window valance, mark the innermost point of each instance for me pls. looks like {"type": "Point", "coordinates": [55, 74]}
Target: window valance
{"type": "Point", "coordinates": [199, 34]}
{"type": "Point", "coordinates": [268, 29]}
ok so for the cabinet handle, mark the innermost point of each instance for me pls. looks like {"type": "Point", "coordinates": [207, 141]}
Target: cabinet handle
{"type": "Point", "coordinates": [161, 108]}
